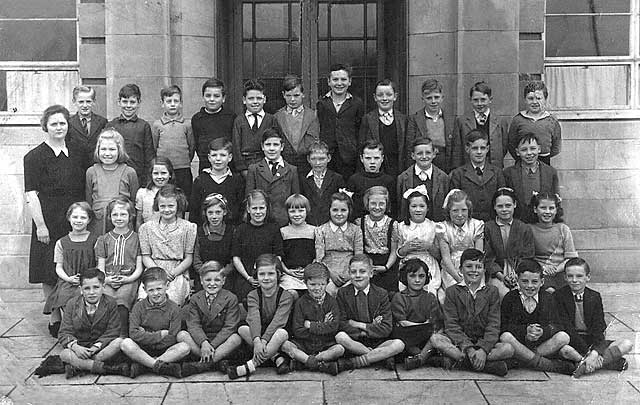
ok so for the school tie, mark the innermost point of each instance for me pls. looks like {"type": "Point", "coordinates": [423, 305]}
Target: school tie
{"type": "Point", "coordinates": [577, 297]}
{"type": "Point", "coordinates": [274, 168]}
{"type": "Point", "coordinates": [479, 172]}
{"type": "Point", "coordinates": [210, 298]}
{"type": "Point", "coordinates": [482, 118]}
{"type": "Point", "coordinates": [84, 125]}
{"type": "Point", "coordinates": [529, 304]}
{"type": "Point", "coordinates": [386, 118]}
{"type": "Point", "coordinates": [91, 309]}
{"type": "Point", "coordinates": [363, 307]}
{"type": "Point", "coordinates": [255, 125]}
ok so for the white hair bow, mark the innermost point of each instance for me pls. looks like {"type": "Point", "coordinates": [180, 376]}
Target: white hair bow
{"type": "Point", "coordinates": [449, 194]}
{"type": "Point", "coordinates": [420, 189]}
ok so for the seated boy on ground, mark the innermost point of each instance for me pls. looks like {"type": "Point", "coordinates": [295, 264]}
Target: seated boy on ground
{"type": "Point", "coordinates": [154, 324]}
{"type": "Point", "coordinates": [90, 329]}
{"type": "Point", "coordinates": [212, 317]}
{"type": "Point", "coordinates": [365, 319]}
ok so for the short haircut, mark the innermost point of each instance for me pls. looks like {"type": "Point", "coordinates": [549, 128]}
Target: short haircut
{"type": "Point", "coordinates": [290, 82]}
{"type": "Point", "coordinates": [252, 196]}
{"type": "Point", "coordinates": [375, 190]}
{"type": "Point", "coordinates": [215, 83]}
{"type": "Point", "coordinates": [372, 144]}
{"type": "Point", "coordinates": [219, 144]}
{"type": "Point", "coordinates": [412, 266]}
{"type": "Point", "coordinates": [318, 147]}
{"type": "Point", "coordinates": [480, 87]}
{"type": "Point", "coordinates": [211, 266]}
{"type": "Point", "coordinates": [83, 205]}
{"type": "Point", "coordinates": [535, 85]}
{"type": "Point", "coordinates": [170, 91]}
{"type": "Point", "coordinates": [127, 203]}
{"type": "Point", "coordinates": [386, 82]}
{"type": "Point", "coordinates": [212, 200]}
{"type": "Point", "coordinates": [130, 90]}
{"type": "Point", "coordinates": [171, 191]}
{"type": "Point", "coordinates": [52, 110]}
{"type": "Point", "coordinates": [474, 135]}
{"type": "Point", "coordinates": [579, 262]}
{"type": "Point", "coordinates": [535, 201]}
{"type": "Point", "coordinates": [459, 196]}
{"type": "Point", "coordinates": [342, 197]}
{"type": "Point", "coordinates": [340, 66]}
{"type": "Point", "coordinates": [83, 89]}
{"type": "Point", "coordinates": [154, 274]}
{"type": "Point", "coordinates": [90, 273]}
{"type": "Point", "coordinates": [273, 132]}
{"type": "Point", "coordinates": [268, 260]}
{"type": "Point", "coordinates": [423, 140]}
{"type": "Point", "coordinates": [471, 254]}
{"type": "Point", "coordinates": [528, 137]}
{"type": "Point", "coordinates": [361, 258]}
{"type": "Point", "coordinates": [529, 265]}
{"type": "Point", "coordinates": [431, 86]}
{"type": "Point", "coordinates": [316, 270]}
{"type": "Point", "coordinates": [113, 135]}
{"type": "Point", "coordinates": [161, 161]}
{"type": "Point", "coordinates": [297, 201]}
{"type": "Point", "coordinates": [253, 84]}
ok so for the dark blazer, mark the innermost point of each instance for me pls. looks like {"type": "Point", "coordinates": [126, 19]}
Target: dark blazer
{"type": "Point", "coordinates": [247, 145]}
{"type": "Point", "coordinates": [320, 199]}
{"type": "Point", "coordinates": [215, 324]}
{"type": "Point", "coordinates": [86, 141]}
{"type": "Point", "coordinates": [320, 333]}
{"type": "Point", "coordinates": [278, 187]}
{"type": "Point", "coordinates": [515, 319]}
{"type": "Point", "coordinates": [417, 128]}
{"type": "Point", "coordinates": [370, 130]}
{"type": "Point", "coordinates": [593, 319]}
{"type": "Point", "coordinates": [480, 190]}
{"type": "Point", "coordinates": [498, 132]}
{"type": "Point", "coordinates": [378, 300]}
{"type": "Point", "coordinates": [440, 190]}
{"type": "Point", "coordinates": [472, 322]}
{"type": "Point", "coordinates": [310, 133]}
{"type": "Point", "coordinates": [340, 129]}
{"type": "Point", "coordinates": [519, 246]}
{"type": "Point", "coordinates": [513, 178]}
{"type": "Point", "coordinates": [76, 324]}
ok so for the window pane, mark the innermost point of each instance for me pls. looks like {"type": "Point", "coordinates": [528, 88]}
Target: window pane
{"type": "Point", "coordinates": [587, 86]}
{"type": "Point", "coordinates": [587, 6]}
{"type": "Point", "coordinates": [296, 59]}
{"type": "Point", "coordinates": [247, 59]}
{"type": "Point", "coordinates": [372, 58]}
{"type": "Point", "coordinates": [27, 92]}
{"type": "Point", "coordinates": [38, 9]}
{"type": "Point", "coordinates": [323, 20]}
{"type": "Point", "coordinates": [272, 21]}
{"type": "Point", "coordinates": [38, 41]}
{"type": "Point", "coordinates": [272, 59]}
{"type": "Point", "coordinates": [347, 20]}
{"type": "Point", "coordinates": [247, 21]}
{"type": "Point", "coordinates": [351, 52]}
{"type": "Point", "coordinates": [371, 20]}
{"type": "Point", "coordinates": [296, 21]}
{"type": "Point", "coordinates": [323, 58]}
{"type": "Point", "coordinates": [587, 36]}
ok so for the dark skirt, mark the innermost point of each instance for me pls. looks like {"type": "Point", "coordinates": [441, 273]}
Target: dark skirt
{"type": "Point", "coordinates": [413, 336]}
{"type": "Point", "coordinates": [387, 280]}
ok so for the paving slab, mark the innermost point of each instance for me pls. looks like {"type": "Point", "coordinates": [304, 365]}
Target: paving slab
{"type": "Point", "coordinates": [14, 371]}
{"type": "Point", "coordinates": [27, 346]}
{"type": "Point", "coordinates": [564, 392]}
{"type": "Point", "coordinates": [5, 390]}
{"type": "Point", "coordinates": [285, 392]}
{"type": "Point", "coordinates": [402, 392]}
{"type": "Point", "coordinates": [630, 319]}
{"type": "Point", "coordinates": [634, 337]}
{"type": "Point", "coordinates": [269, 374]}
{"type": "Point", "coordinates": [7, 323]}
{"type": "Point", "coordinates": [144, 378]}
{"type": "Point", "coordinates": [431, 373]}
{"type": "Point", "coordinates": [614, 324]}
{"type": "Point", "coordinates": [29, 310]}
{"type": "Point", "coordinates": [29, 327]}
{"type": "Point", "coordinates": [68, 394]}
{"type": "Point", "coordinates": [192, 393]}
{"type": "Point", "coordinates": [22, 295]}
{"type": "Point", "coordinates": [367, 374]}
{"type": "Point", "coordinates": [151, 391]}
{"type": "Point", "coordinates": [60, 379]}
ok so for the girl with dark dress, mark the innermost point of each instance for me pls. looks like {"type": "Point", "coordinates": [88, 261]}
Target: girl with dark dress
{"type": "Point", "coordinates": [53, 179]}
{"type": "Point", "coordinates": [214, 237]}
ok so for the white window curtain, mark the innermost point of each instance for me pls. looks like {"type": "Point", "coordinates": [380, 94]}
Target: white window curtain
{"type": "Point", "coordinates": [588, 87]}
{"type": "Point", "coordinates": [33, 91]}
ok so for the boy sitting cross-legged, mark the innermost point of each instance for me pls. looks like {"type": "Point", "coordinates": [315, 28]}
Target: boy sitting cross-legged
{"type": "Point", "coordinates": [365, 319]}
{"type": "Point", "coordinates": [154, 324]}
{"type": "Point", "coordinates": [582, 316]}
{"type": "Point", "coordinates": [212, 317]}
{"type": "Point", "coordinates": [90, 329]}
{"type": "Point", "coordinates": [316, 319]}
{"type": "Point", "coordinates": [531, 324]}
{"type": "Point", "coordinates": [472, 321]}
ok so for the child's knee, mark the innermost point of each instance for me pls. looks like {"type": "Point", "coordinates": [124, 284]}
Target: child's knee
{"type": "Point", "coordinates": [505, 348]}
{"type": "Point", "coordinates": [562, 338]}
{"type": "Point", "coordinates": [66, 355]}
{"type": "Point", "coordinates": [280, 335]}
{"type": "Point", "coordinates": [624, 345]}
{"type": "Point", "coordinates": [183, 336]}
{"type": "Point", "coordinates": [507, 337]}
{"type": "Point", "coordinates": [128, 345]}
{"type": "Point", "coordinates": [342, 338]}
{"type": "Point", "coordinates": [438, 339]}
{"type": "Point", "coordinates": [397, 345]}
{"type": "Point", "coordinates": [182, 348]}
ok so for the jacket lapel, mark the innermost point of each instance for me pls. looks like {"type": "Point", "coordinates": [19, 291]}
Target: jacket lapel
{"type": "Point", "coordinates": [488, 174]}
{"type": "Point", "coordinates": [471, 175]}
{"type": "Point", "coordinates": [421, 121]}
{"type": "Point", "coordinates": [372, 117]}
{"type": "Point", "coordinates": [264, 171]}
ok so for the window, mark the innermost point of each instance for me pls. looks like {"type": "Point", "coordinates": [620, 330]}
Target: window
{"type": "Point", "coordinates": [38, 54]}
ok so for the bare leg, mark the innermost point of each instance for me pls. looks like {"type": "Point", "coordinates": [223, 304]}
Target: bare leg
{"type": "Point", "coordinates": [245, 334]}
{"type": "Point", "coordinates": [185, 337]}
{"type": "Point", "coordinates": [112, 349]}
{"type": "Point", "coordinates": [294, 352]}
{"type": "Point", "coordinates": [174, 353]}
{"type": "Point", "coordinates": [501, 351]}
{"type": "Point", "coordinates": [274, 345]}
{"type": "Point", "coordinates": [386, 349]}
{"type": "Point", "coordinates": [446, 346]}
{"type": "Point", "coordinates": [334, 352]}
{"type": "Point", "coordinates": [553, 345]}
{"type": "Point", "coordinates": [350, 345]}
{"type": "Point", "coordinates": [225, 349]}
{"type": "Point", "coordinates": [521, 352]}
{"type": "Point", "coordinates": [569, 353]}
{"type": "Point", "coordinates": [69, 357]}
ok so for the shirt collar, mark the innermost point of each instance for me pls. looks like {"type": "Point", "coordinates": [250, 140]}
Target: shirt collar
{"type": "Point", "coordinates": [385, 113]}
{"type": "Point", "coordinates": [544, 114]}
{"type": "Point", "coordinates": [297, 111]}
{"type": "Point", "coordinates": [366, 290]}
{"type": "Point", "coordinates": [524, 297]}
{"type": "Point", "coordinates": [210, 296]}
{"type": "Point", "coordinates": [87, 305]}
{"type": "Point", "coordinates": [533, 169]}
{"type": "Point", "coordinates": [335, 227]}
{"type": "Point", "coordinates": [247, 113]}
{"type": "Point", "coordinates": [165, 119]}
{"type": "Point", "coordinates": [215, 231]}
{"type": "Point", "coordinates": [477, 114]}
{"type": "Point", "coordinates": [475, 167]}
{"type": "Point", "coordinates": [418, 170]}
{"type": "Point", "coordinates": [320, 176]}
{"type": "Point", "coordinates": [578, 297]}
{"type": "Point", "coordinates": [279, 162]}
{"type": "Point", "coordinates": [433, 117]}
{"type": "Point", "coordinates": [211, 112]}
{"type": "Point", "coordinates": [132, 119]}
{"type": "Point", "coordinates": [482, 285]}
{"type": "Point", "coordinates": [58, 150]}
{"type": "Point", "coordinates": [347, 98]}
{"type": "Point", "coordinates": [371, 222]}
{"type": "Point", "coordinates": [502, 223]}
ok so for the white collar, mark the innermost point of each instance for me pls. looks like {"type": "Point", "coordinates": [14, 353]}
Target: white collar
{"type": "Point", "coordinates": [370, 222]}
{"type": "Point", "coordinates": [366, 290]}
{"type": "Point", "coordinates": [298, 110]}
{"type": "Point", "coordinates": [279, 162]}
{"type": "Point", "coordinates": [433, 117]}
{"type": "Point", "coordinates": [477, 114]}
{"type": "Point", "coordinates": [544, 114]}
{"type": "Point", "coordinates": [329, 95]}
{"type": "Point", "coordinates": [312, 174]}
{"type": "Point", "coordinates": [383, 113]}
{"type": "Point", "coordinates": [524, 297]}
{"type": "Point", "coordinates": [58, 150]}
{"type": "Point", "coordinates": [212, 174]}
{"type": "Point", "coordinates": [428, 172]}
{"type": "Point", "coordinates": [335, 227]}
{"type": "Point", "coordinates": [475, 167]}
{"type": "Point", "coordinates": [247, 113]}
{"type": "Point", "coordinates": [502, 223]}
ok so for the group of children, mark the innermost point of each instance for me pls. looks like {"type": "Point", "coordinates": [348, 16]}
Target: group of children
{"type": "Point", "coordinates": [288, 246]}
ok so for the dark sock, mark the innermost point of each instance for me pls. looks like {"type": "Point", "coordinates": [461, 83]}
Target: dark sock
{"type": "Point", "coordinates": [610, 355]}
{"type": "Point", "coordinates": [123, 314]}
{"type": "Point", "coordinates": [98, 367]}
{"type": "Point", "coordinates": [360, 361]}
{"type": "Point", "coordinates": [312, 363]}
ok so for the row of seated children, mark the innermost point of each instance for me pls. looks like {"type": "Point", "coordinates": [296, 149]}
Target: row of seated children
{"type": "Point", "coordinates": [563, 332]}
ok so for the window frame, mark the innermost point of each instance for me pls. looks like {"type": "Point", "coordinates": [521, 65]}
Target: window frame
{"type": "Point", "coordinates": [30, 118]}
{"type": "Point", "coordinates": [629, 111]}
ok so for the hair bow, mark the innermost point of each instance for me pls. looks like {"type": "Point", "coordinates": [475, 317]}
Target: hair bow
{"type": "Point", "coordinates": [420, 189]}
{"type": "Point", "coordinates": [449, 194]}
{"type": "Point", "coordinates": [559, 198]}
{"type": "Point", "coordinates": [216, 196]}
{"type": "Point", "coordinates": [506, 189]}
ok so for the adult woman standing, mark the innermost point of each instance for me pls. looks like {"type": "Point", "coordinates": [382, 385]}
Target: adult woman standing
{"type": "Point", "coordinates": [53, 179]}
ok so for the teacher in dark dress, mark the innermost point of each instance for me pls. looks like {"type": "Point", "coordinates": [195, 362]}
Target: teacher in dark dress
{"type": "Point", "coordinates": [53, 179]}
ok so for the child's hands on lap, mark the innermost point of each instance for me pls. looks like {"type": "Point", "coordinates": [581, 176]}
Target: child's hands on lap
{"type": "Point", "coordinates": [206, 351]}
{"type": "Point", "coordinates": [534, 332]}
{"type": "Point", "coordinates": [378, 320]}
{"type": "Point", "coordinates": [81, 351]}
{"type": "Point", "coordinates": [478, 358]}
